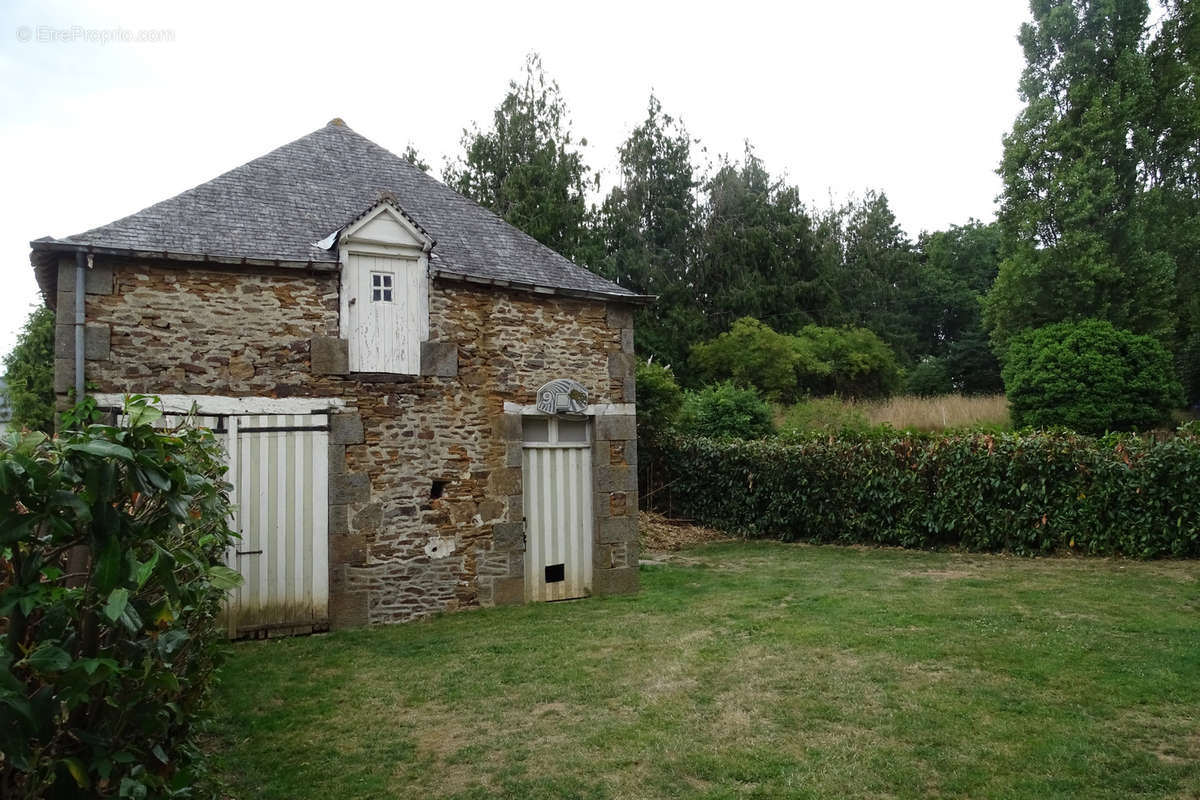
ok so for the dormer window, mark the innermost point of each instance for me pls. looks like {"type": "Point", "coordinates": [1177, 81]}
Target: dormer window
{"type": "Point", "coordinates": [385, 290]}
{"type": "Point", "coordinates": [381, 287]}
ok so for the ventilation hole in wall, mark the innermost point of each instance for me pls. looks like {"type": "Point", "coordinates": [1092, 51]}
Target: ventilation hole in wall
{"type": "Point", "coordinates": [556, 573]}
{"type": "Point", "coordinates": [438, 489]}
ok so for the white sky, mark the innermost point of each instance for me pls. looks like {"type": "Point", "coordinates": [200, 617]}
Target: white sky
{"type": "Point", "coordinates": [909, 98]}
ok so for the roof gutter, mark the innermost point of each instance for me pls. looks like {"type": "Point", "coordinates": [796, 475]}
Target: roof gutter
{"type": "Point", "coordinates": [52, 246]}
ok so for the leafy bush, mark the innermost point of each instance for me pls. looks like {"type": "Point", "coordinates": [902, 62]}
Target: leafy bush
{"type": "Point", "coordinates": [852, 362]}
{"type": "Point", "coordinates": [658, 399]}
{"type": "Point", "coordinates": [110, 587]}
{"type": "Point", "coordinates": [822, 415]}
{"type": "Point", "coordinates": [860, 363]}
{"type": "Point", "coordinates": [29, 373]}
{"type": "Point", "coordinates": [929, 378]}
{"type": "Point", "coordinates": [1024, 493]}
{"type": "Point", "coordinates": [750, 353]}
{"type": "Point", "coordinates": [726, 411]}
{"type": "Point", "coordinates": [1090, 377]}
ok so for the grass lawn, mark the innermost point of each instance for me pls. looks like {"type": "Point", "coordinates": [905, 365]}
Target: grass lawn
{"type": "Point", "coordinates": [748, 670]}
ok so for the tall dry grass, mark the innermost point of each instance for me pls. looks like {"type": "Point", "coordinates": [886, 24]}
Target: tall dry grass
{"type": "Point", "coordinates": [939, 413]}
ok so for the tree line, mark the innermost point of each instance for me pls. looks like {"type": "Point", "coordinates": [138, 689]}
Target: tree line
{"type": "Point", "coordinates": [732, 242]}
{"type": "Point", "coordinates": [1099, 219]}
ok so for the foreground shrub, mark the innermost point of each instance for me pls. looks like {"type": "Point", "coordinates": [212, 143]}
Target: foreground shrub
{"type": "Point", "coordinates": [1022, 493]}
{"type": "Point", "coordinates": [1090, 377]}
{"type": "Point", "coordinates": [725, 411]}
{"type": "Point", "coordinates": [109, 592]}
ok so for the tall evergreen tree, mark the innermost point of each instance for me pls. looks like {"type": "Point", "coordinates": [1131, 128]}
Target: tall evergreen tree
{"type": "Point", "coordinates": [527, 167]}
{"type": "Point", "coordinates": [758, 251]}
{"type": "Point", "coordinates": [648, 225]}
{"type": "Point", "coordinates": [1076, 236]}
{"type": "Point", "coordinates": [872, 268]}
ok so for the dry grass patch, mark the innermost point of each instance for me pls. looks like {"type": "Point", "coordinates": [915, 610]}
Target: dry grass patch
{"type": "Point", "coordinates": [939, 413]}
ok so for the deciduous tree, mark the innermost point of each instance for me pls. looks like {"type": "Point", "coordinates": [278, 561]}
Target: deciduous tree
{"type": "Point", "coordinates": [1076, 237]}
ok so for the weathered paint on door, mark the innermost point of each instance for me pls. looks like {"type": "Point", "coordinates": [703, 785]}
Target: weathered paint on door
{"type": "Point", "coordinates": [387, 313]}
{"type": "Point", "coordinates": [558, 516]}
{"type": "Point", "coordinates": [278, 465]}
{"type": "Point", "coordinates": [279, 468]}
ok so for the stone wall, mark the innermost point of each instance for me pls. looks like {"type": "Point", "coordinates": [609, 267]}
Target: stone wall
{"type": "Point", "coordinates": [425, 478]}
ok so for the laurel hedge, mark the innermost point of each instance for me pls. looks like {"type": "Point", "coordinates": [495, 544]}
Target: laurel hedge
{"type": "Point", "coordinates": [1025, 493]}
{"type": "Point", "coordinates": [111, 583]}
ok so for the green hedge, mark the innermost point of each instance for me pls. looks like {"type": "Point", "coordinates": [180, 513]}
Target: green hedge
{"type": "Point", "coordinates": [110, 589]}
{"type": "Point", "coordinates": [1023, 493]}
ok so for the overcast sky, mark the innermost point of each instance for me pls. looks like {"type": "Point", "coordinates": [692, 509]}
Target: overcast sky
{"type": "Point", "coordinates": [908, 98]}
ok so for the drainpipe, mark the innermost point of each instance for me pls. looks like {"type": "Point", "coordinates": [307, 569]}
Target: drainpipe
{"type": "Point", "coordinates": [82, 261]}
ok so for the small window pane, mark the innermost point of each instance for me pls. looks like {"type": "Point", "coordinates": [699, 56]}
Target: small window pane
{"type": "Point", "coordinates": [572, 430]}
{"type": "Point", "coordinates": [381, 287]}
{"type": "Point", "coordinates": [536, 429]}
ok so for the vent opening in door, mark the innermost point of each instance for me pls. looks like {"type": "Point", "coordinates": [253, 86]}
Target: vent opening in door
{"type": "Point", "coordinates": [556, 573]}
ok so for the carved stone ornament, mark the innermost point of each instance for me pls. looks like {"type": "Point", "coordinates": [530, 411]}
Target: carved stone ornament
{"type": "Point", "coordinates": [562, 396]}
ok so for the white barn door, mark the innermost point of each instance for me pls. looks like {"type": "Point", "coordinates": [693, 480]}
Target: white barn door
{"type": "Point", "coordinates": [557, 479]}
{"type": "Point", "coordinates": [279, 469]}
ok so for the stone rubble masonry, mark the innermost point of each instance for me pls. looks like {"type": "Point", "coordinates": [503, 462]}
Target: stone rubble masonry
{"type": "Point", "coordinates": [261, 332]}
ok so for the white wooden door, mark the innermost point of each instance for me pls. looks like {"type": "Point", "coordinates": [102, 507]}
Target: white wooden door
{"type": "Point", "coordinates": [557, 479]}
{"type": "Point", "coordinates": [387, 313]}
{"type": "Point", "coordinates": [279, 469]}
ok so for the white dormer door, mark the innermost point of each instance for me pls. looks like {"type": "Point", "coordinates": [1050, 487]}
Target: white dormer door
{"type": "Point", "coordinates": [385, 291]}
{"type": "Point", "coordinates": [388, 313]}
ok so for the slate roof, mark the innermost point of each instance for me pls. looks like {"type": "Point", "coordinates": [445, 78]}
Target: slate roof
{"type": "Point", "coordinates": [276, 207]}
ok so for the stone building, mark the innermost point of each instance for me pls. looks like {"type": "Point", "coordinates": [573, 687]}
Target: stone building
{"type": "Point", "coordinates": [424, 408]}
